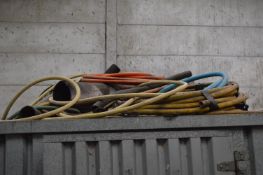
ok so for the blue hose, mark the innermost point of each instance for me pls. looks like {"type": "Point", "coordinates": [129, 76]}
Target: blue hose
{"type": "Point", "coordinates": [220, 83]}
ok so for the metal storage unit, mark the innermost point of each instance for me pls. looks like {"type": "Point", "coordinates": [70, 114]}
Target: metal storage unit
{"type": "Point", "coordinates": [183, 145]}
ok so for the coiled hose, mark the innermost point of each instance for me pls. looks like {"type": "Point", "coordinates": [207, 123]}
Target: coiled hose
{"type": "Point", "coordinates": [220, 83]}
{"type": "Point", "coordinates": [180, 99]}
{"type": "Point", "coordinates": [50, 113]}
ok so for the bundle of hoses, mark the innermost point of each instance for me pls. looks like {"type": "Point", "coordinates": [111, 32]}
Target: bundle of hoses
{"type": "Point", "coordinates": [135, 94]}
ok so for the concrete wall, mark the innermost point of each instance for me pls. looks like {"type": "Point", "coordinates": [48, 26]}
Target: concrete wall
{"type": "Point", "coordinates": [206, 35]}
{"type": "Point", "coordinates": [48, 37]}
{"type": "Point", "coordinates": [64, 37]}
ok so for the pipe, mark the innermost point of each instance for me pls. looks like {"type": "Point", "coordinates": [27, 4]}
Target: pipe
{"type": "Point", "coordinates": [100, 105]}
{"type": "Point", "coordinates": [216, 92]}
{"type": "Point", "coordinates": [182, 87]}
{"type": "Point", "coordinates": [64, 92]}
{"type": "Point", "coordinates": [183, 111]}
{"type": "Point", "coordinates": [219, 83]}
{"type": "Point", "coordinates": [181, 100]}
{"type": "Point", "coordinates": [50, 113]}
{"type": "Point", "coordinates": [26, 111]}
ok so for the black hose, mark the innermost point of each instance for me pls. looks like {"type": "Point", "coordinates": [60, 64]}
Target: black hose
{"type": "Point", "coordinates": [64, 92]}
{"type": "Point", "coordinates": [99, 106]}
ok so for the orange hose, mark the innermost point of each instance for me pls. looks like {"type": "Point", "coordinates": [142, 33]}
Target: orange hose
{"type": "Point", "coordinates": [118, 78]}
{"type": "Point", "coordinates": [132, 82]}
{"type": "Point", "coordinates": [148, 77]}
{"type": "Point", "coordinates": [124, 74]}
{"type": "Point", "coordinates": [128, 78]}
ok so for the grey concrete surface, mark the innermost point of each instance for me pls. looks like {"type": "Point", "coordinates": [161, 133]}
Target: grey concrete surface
{"type": "Point", "coordinates": [92, 11]}
{"type": "Point", "coordinates": [111, 33]}
{"type": "Point", "coordinates": [189, 40]}
{"type": "Point", "coordinates": [52, 38]}
{"type": "Point", "coordinates": [36, 65]}
{"type": "Point", "coordinates": [9, 91]}
{"type": "Point", "coordinates": [255, 95]}
{"type": "Point", "coordinates": [190, 12]}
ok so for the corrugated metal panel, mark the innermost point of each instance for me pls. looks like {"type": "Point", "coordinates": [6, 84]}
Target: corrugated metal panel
{"type": "Point", "coordinates": [16, 155]}
{"type": "Point", "coordinates": [168, 151]}
{"type": "Point", "coordinates": [144, 156]}
{"type": "Point", "coordinates": [2, 155]}
{"type": "Point", "coordinates": [256, 149]}
{"type": "Point", "coordinates": [140, 156]}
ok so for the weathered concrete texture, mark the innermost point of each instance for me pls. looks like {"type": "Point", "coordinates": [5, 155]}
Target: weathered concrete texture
{"type": "Point", "coordinates": [111, 39]}
{"type": "Point", "coordinates": [189, 40]}
{"type": "Point", "coordinates": [92, 11]}
{"type": "Point", "coordinates": [52, 37]}
{"type": "Point", "coordinates": [190, 12]}
{"type": "Point", "coordinates": [240, 69]}
{"type": "Point", "coordinates": [8, 92]}
{"type": "Point", "coordinates": [22, 68]}
{"type": "Point", "coordinates": [255, 100]}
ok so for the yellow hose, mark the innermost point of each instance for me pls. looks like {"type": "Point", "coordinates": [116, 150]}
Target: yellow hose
{"type": "Point", "coordinates": [184, 105]}
{"type": "Point", "coordinates": [188, 98]}
{"type": "Point", "coordinates": [115, 111]}
{"type": "Point", "coordinates": [177, 101]}
{"type": "Point", "coordinates": [177, 96]}
{"type": "Point", "coordinates": [49, 90]}
{"type": "Point", "coordinates": [50, 113]}
{"type": "Point", "coordinates": [196, 110]}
